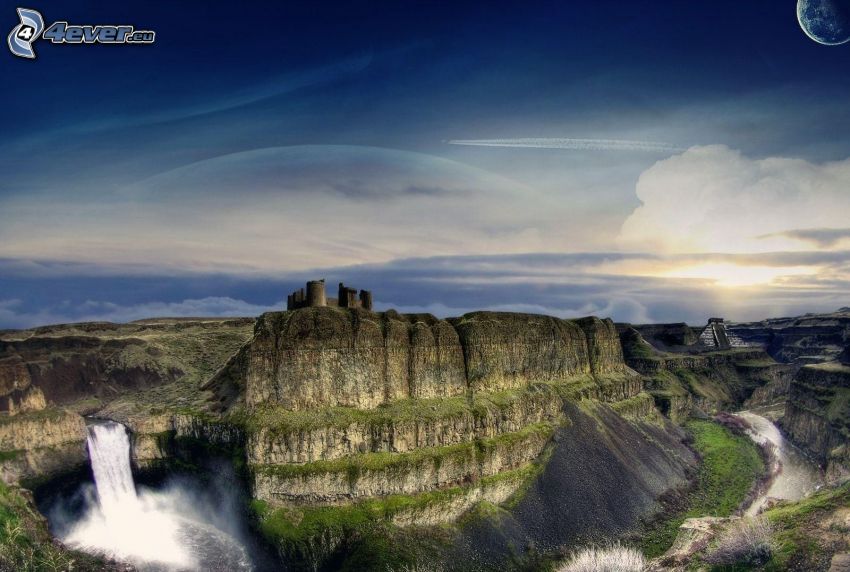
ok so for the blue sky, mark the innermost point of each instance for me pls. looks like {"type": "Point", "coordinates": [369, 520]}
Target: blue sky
{"type": "Point", "coordinates": [257, 145]}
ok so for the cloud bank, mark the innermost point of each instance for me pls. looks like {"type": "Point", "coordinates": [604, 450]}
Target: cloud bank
{"type": "Point", "coordinates": [715, 199]}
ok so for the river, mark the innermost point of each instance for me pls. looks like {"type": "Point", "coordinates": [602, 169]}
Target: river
{"type": "Point", "coordinates": [795, 475]}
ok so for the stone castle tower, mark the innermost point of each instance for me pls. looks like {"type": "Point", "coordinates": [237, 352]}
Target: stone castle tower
{"type": "Point", "coordinates": [315, 295]}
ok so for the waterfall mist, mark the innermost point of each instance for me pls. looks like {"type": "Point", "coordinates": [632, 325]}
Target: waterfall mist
{"type": "Point", "coordinates": [178, 527]}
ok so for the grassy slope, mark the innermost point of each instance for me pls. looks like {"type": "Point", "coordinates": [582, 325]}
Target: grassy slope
{"type": "Point", "coordinates": [26, 545]}
{"type": "Point", "coordinates": [808, 532]}
{"type": "Point", "coordinates": [730, 465]}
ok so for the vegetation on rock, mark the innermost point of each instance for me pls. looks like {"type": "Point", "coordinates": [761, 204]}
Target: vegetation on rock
{"type": "Point", "coordinates": [730, 466]}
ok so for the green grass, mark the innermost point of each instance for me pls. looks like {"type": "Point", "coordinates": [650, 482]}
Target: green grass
{"type": "Point", "coordinates": [701, 385]}
{"type": "Point", "coordinates": [838, 410]}
{"type": "Point", "coordinates": [47, 414]}
{"type": "Point", "coordinates": [641, 349]}
{"type": "Point", "coordinates": [25, 544]}
{"type": "Point", "coordinates": [730, 466]}
{"type": "Point", "coordinates": [10, 455]}
{"type": "Point", "coordinates": [798, 531]}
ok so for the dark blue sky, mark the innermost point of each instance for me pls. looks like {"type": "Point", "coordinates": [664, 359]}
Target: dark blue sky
{"type": "Point", "coordinates": [217, 165]}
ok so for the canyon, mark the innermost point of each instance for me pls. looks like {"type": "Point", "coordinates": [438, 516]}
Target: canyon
{"type": "Point", "coordinates": [342, 421]}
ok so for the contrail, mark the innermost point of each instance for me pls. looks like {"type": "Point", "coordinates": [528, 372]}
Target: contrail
{"type": "Point", "coordinates": [579, 144]}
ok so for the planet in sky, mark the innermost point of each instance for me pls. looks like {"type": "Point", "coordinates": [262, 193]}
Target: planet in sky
{"type": "Point", "coordinates": [825, 21]}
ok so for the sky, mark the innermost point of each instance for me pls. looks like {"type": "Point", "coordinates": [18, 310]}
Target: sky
{"type": "Point", "coordinates": [647, 161]}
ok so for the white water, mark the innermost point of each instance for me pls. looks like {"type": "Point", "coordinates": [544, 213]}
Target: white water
{"type": "Point", "coordinates": [109, 449]}
{"type": "Point", "coordinates": [154, 530]}
{"type": "Point", "coordinates": [796, 475]}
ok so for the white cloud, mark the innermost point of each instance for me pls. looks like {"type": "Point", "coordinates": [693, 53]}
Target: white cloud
{"type": "Point", "coordinates": [714, 199]}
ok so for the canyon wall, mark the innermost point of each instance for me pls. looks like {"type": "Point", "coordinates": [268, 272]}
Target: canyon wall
{"type": "Point", "coordinates": [710, 381]}
{"type": "Point", "coordinates": [41, 444]}
{"type": "Point", "coordinates": [325, 357]}
{"type": "Point", "coordinates": [353, 418]}
{"type": "Point", "coordinates": [331, 357]}
{"type": "Point", "coordinates": [810, 338]}
{"type": "Point", "coordinates": [817, 415]}
{"type": "Point", "coordinates": [60, 365]}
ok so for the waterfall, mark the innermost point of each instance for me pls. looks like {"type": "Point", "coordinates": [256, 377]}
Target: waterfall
{"type": "Point", "coordinates": [160, 530]}
{"type": "Point", "coordinates": [109, 449]}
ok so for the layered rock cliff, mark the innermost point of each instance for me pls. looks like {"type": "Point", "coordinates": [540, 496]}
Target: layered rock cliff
{"type": "Point", "coordinates": [331, 357]}
{"type": "Point", "coordinates": [410, 418]}
{"type": "Point", "coordinates": [709, 380]}
{"type": "Point", "coordinates": [326, 357]}
{"type": "Point", "coordinates": [40, 444]}
{"type": "Point", "coordinates": [817, 415]}
{"type": "Point", "coordinates": [810, 338]}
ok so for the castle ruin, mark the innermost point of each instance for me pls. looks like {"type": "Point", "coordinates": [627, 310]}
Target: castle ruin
{"type": "Point", "coordinates": [314, 296]}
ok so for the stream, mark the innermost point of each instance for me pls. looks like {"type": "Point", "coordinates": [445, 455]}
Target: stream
{"type": "Point", "coordinates": [795, 475]}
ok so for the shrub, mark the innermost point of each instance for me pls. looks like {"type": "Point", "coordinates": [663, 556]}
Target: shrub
{"type": "Point", "coordinates": [614, 558]}
{"type": "Point", "coordinates": [746, 542]}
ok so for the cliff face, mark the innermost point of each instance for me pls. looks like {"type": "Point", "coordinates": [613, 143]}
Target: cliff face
{"type": "Point", "coordinates": [381, 474]}
{"type": "Point", "coordinates": [50, 375]}
{"type": "Point", "coordinates": [804, 339]}
{"type": "Point", "coordinates": [332, 435]}
{"type": "Point", "coordinates": [73, 367]}
{"type": "Point", "coordinates": [505, 351]}
{"type": "Point", "coordinates": [40, 444]}
{"type": "Point", "coordinates": [817, 415]}
{"type": "Point", "coordinates": [326, 357]}
{"type": "Point", "coordinates": [710, 381]}
{"type": "Point", "coordinates": [413, 420]}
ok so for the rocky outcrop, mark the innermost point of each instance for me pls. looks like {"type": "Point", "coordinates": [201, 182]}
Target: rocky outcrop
{"type": "Point", "coordinates": [708, 380]}
{"type": "Point", "coordinates": [603, 346]}
{"type": "Point", "coordinates": [41, 444]}
{"type": "Point", "coordinates": [155, 437]}
{"type": "Point", "coordinates": [810, 338]}
{"type": "Point", "coordinates": [712, 382]}
{"type": "Point", "coordinates": [328, 357]}
{"type": "Point", "coordinates": [505, 351]}
{"type": "Point", "coordinates": [343, 406]}
{"type": "Point", "coordinates": [817, 415]}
